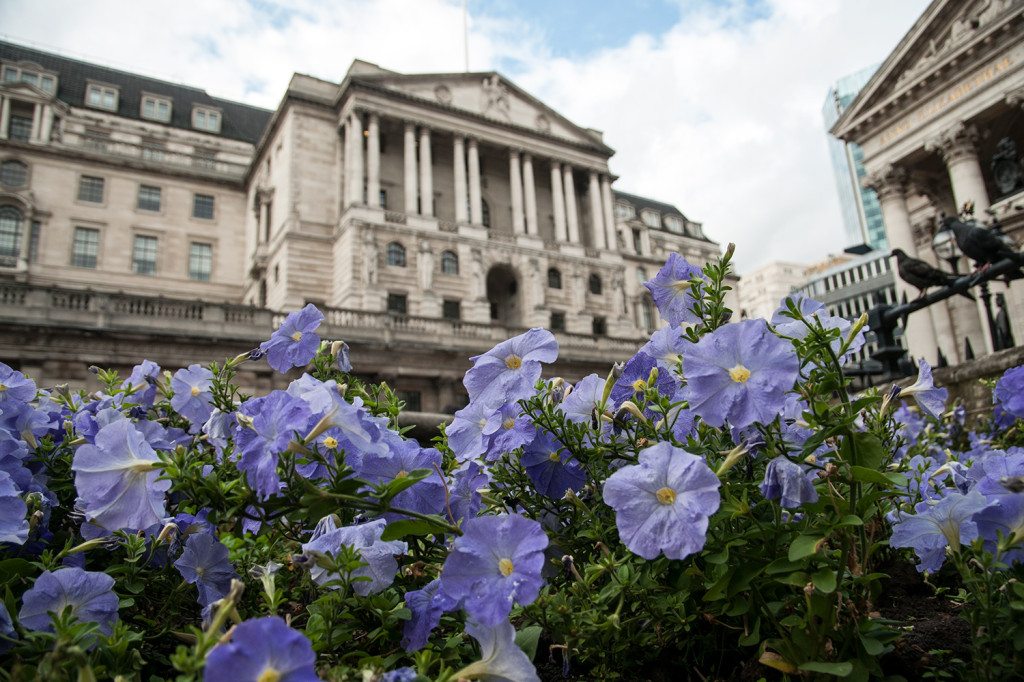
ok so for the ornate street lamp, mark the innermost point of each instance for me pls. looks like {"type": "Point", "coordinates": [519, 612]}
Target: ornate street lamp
{"type": "Point", "coordinates": [945, 247]}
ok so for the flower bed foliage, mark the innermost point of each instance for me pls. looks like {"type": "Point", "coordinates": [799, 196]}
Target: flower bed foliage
{"type": "Point", "coordinates": [717, 507]}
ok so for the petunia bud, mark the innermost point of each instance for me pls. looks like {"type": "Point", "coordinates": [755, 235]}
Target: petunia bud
{"type": "Point", "coordinates": [730, 460]}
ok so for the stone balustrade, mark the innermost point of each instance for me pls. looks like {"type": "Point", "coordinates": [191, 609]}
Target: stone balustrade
{"type": "Point", "coordinates": [165, 158]}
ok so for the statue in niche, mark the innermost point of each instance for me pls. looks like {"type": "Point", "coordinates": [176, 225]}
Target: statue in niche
{"type": "Point", "coordinates": [619, 293]}
{"type": "Point", "coordinates": [1007, 169]}
{"type": "Point", "coordinates": [534, 290]}
{"type": "Point", "coordinates": [1002, 332]}
{"type": "Point", "coordinates": [495, 97]}
{"type": "Point", "coordinates": [426, 266]}
{"type": "Point", "coordinates": [477, 267]}
{"type": "Point", "coordinates": [369, 258]}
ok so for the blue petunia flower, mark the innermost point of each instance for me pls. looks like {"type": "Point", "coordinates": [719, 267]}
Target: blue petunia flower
{"type": "Point", "coordinates": [501, 659]}
{"type": "Point", "coordinates": [741, 372]}
{"type": "Point", "coordinates": [466, 432]}
{"type": "Point", "coordinates": [789, 483]}
{"type": "Point", "coordinates": [204, 563]}
{"type": "Point", "coordinates": [508, 371]}
{"type": "Point", "coordinates": [295, 342]}
{"type": "Point", "coordinates": [275, 418]}
{"type": "Point", "coordinates": [930, 399]}
{"type": "Point", "coordinates": [585, 397]}
{"type": "Point", "coordinates": [192, 394]}
{"type": "Point", "coordinates": [425, 496]}
{"type": "Point", "coordinates": [551, 468]}
{"type": "Point", "coordinates": [7, 632]}
{"type": "Point", "coordinates": [816, 311]}
{"type": "Point", "coordinates": [262, 649]}
{"type": "Point", "coordinates": [466, 483]}
{"type": "Point", "coordinates": [427, 606]}
{"type": "Point", "coordinates": [495, 562]}
{"type": "Point", "coordinates": [935, 526]}
{"type": "Point", "coordinates": [670, 289]}
{"type": "Point", "coordinates": [508, 428]}
{"type": "Point", "coordinates": [663, 503]}
{"type": "Point", "coordinates": [632, 383]}
{"type": "Point", "coordinates": [116, 479]}
{"type": "Point", "coordinates": [90, 594]}
{"type": "Point", "coordinates": [14, 387]}
{"type": "Point", "coordinates": [1009, 391]}
{"type": "Point", "coordinates": [13, 524]}
{"type": "Point", "coordinates": [400, 675]}
{"type": "Point", "coordinates": [666, 347]}
{"type": "Point", "coordinates": [379, 555]}
{"type": "Point", "coordinates": [142, 383]}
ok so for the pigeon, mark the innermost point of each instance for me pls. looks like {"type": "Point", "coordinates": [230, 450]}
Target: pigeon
{"type": "Point", "coordinates": [980, 244]}
{"type": "Point", "coordinates": [921, 275]}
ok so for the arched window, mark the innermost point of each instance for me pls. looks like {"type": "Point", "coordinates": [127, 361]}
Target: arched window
{"type": "Point", "coordinates": [485, 213]}
{"type": "Point", "coordinates": [10, 232]}
{"type": "Point", "coordinates": [449, 263]}
{"type": "Point", "coordinates": [13, 173]}
{"type": "Point", "coordinates": [396, 254]}
{"type": "Point", "coordinates": [646, 315]}
{"type": "Point", "coordinates": [554, 278]}
{"type": "Point", "coordinates": [595, 284]}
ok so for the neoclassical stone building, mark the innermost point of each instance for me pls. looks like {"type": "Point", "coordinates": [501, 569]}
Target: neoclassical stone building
{"type": "Point", "coordinates": [941, 124]}
{"type": "Point", "coordinates": [428, 215]}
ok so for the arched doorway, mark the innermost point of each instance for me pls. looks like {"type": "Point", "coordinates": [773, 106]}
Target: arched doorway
{"type": "Point", "coordinates": [503, 295]}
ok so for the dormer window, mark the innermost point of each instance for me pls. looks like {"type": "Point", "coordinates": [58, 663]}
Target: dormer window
{"type": "Point", "coordinates": [624, 212]}
{"type": "Point", "coordinates": [674, 224]}
{"type": "Point", "coordinates": [650, 218]}
{"type": "Point", "coordinates": [101, 96]}
{"type": "Point", "coordinates": [206, 119]}
{"type": "Point", "coordinates": [156, 108]}
{"type": "Point", "coordinates": [44, 81]}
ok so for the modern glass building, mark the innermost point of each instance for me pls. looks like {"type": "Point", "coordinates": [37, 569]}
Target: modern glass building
{"type": "Point", "coordinates": [862, 216]}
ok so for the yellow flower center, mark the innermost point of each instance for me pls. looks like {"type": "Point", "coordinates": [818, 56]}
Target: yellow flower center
{"type": "Point", "coordinates": [554, 457]}
{"type": "Point", "coordinates": [666, 495]}
{"type": "Point", "coordinates": [331, 442]}
{"type": "Point", "coordinates": [3, 387]}
{"type": "Point", "coordinates": [269, 674]}
{"type": "Point", "coordinates": [508, 423]}
{"type": "Point", "coordinates": [506, 567]}
{"type": "Point", "coordinates": [195, 391]}
{"type": "Point", "coordinates": [739, 374]}
{"type": "Point", "coordinates": [639, 385]}
{"type": "Point", "coordinates": [297, 336]}
{"type": "Point", "coordinates": [513, 361]}
{"type": "Point", "coordinates": [681, 285]}
{"type": "Point", "coordinates": [402, 474]}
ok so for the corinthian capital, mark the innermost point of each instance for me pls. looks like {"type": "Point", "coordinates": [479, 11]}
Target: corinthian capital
{"type": "Point", "coordinates": [888, 181]}
{"type": "Point", "coordinates": [955, 143]}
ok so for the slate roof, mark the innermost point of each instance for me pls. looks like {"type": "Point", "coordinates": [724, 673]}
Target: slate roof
{"type": "Point", "coordinates": [641, 203]}
{"type": "Point", "coordinates": [238, 121]}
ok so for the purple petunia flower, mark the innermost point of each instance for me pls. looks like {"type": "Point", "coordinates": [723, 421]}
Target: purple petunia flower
{"type": "Point", "coordinates": [425, 496]}
{"type": "Point", "coordinates": [508, 371]}
{"type": "Point", "coordinates": [7, 632]}
{"type": "Point", "coordinates": [633, 382]}
{"type": "Point", "coordinates": [741, 372]}
{"type": "Point", "coordinates": [343, 361]}
{"type": "Point", "coordinates": [116, 479]}
{"type": "Point", "coordinates": [466, 501]}
{"type": "Point", "coordinates": [379, 555]}
{"type": "Point", "coordinates": [263, 649]}
{"type": "Point", "coordinates": [90, 594]}
{"type": "Point", "coordinates": [142, 383]}
{"type": "Point", "coordinates": [508, 428]}
{"type": "Point", "coordinates": [663, 503]}
{"type": "Point", "coordinates": [670, 289]}
{"type": "Point", "coordinates": [275, 419]}
{"type": "Point", "coordinates": [501, 659]}
{"type": "Point", "coordinates": [816, 311]}
{"type": "Point", "coordinates": [938, 525]}
{"type": "Point", "coordinates": [192, 394]}
{"type": "Point", "coordinates": [666, 346]}
{"type": "Point", "coordinates": [495, 562]}
{"type": "Point", "coordinates": [427, 606]}
{"type": "Point", "coordinates": [930, 399]}
{"type": "Point", "coordinates": [13, 524]}
{"type": "Point", "coordinates": [466, 432]}
{"type": "Point", "coordinates": [14, 387]}
{"type": "Point", "coordinates": [551, 468]}
{"type": "Point", "coordinates": [400, 675]}
{"type": "Point", "coordinates": [204, 563]}
{"type": "Point", "coordinates": [789, 483]}
{"type": "Point", "coordinates": [579, 405]}
{"type": "Point", "coordinates": [295, 342]}
{"type": "Point", "coordinates": [1009, 391]}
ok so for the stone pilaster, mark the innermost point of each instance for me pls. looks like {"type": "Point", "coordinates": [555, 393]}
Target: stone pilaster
{"type": "Point", "coordinates": [515, 180]}
{"type": "Point", "coordinates": [373, 161]}
{"type": "Point", "coordinates": [558, 203]}
{"type": "Point", "coordinates": [459, 161]}
{"type": "Point", "coordinates": [597, 233]}
{"type": "Point", "coordinates": [572, 215]}
{"type": "Point", "coordinates": [476, 207]}
{"type": "Point", "coordinates": [410, 189]}
{"type": "Point", "coordinates": [355, 166]}
{"type": "Point", "coordinates": [530, 196]}
{"type": "Point", "coordinates": [5, 116]}
{"type": "Point", "coordinates": [609, 214]}
{"type": "Point", "coordinates": [426, 174]}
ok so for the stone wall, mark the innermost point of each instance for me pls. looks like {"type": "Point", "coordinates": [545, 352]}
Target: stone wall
{"type": "Point", "coordinates": [964, 380]}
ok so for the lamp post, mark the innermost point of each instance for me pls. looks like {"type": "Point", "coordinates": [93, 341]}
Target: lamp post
{"type": "Point", "coordinates": [945, 247]}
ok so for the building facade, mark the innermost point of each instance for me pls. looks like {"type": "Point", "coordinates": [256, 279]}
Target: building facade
{"type": "Point", "coordinates": [428, 215]}
{"type": "Point", "coordinates": [761, 290]}
{"type": "Point", "coordinates": [940, 125]}
{"type": "Point", "coordinates": [862, 216]}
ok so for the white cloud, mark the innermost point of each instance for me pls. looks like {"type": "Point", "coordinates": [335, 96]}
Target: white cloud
{"type": "Point", "coordinates": [719, 116]}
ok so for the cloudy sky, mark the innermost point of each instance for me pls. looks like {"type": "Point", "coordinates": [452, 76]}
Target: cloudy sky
{"type": "Point", "coordinates": [713, 105]}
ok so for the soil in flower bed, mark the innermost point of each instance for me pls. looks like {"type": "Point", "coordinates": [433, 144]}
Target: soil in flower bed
{"type": "Point", "coordinates": [931, 624]}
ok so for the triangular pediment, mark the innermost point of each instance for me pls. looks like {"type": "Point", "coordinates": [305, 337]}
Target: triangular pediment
{"type": "Point", "coordinates": [490, 95]}
{"type": "Point", "coordinates": [946, 29]}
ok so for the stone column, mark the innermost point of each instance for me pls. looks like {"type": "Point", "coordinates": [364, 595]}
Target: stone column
{"type": "Point", "coordinates": [890, 184]}
{"type": "Point", "coordinates": [373, 162]}
{"type": "Point", "coordinates": [47, 124]}
{"type": "Point", "coordinates": [476, 207]}
{"type": "Point", "coordinates": [262, 231]}
{"type": "Point", "coordinates": [5, 116]}
{"type": "Point", "coordinates": [597, 233]}
{"type": "Point", "coordinates": [37, 122]}
{"type": "Point", "coordinates": [355, 184]}
{"type": "Point", "coordinates": [558, 203]}
{"type": "Point", "coordinates": [410, 190]}
{"type": "Point", "coordinates": [572, 216]}
{"type": "Point", "coordinates": [515, 182]}
{"type": "Point", "coordinates": [426, 174]}
{"type": "Point", "coordinates": [530, 196]}
{"type": "Point", "coordinates": [609, 214]}
{"type": "Point", "coordinates": [461, 200]}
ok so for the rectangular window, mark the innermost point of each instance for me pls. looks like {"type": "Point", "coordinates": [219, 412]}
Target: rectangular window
{"type": "Point", "coordinates": [451, 310]}
{"type": "Point", "coordinates": [101, 97]}
{"type": "Point", "coordinates": [10, 74]}
{"type": "Point", "coordinates": [149, 198]}
{"type": "Point", "coordinates": [398, 304]}
{"type": "Point", "coordinates": [144, 255]}
{"type": "Point", "coordinates": [85, 247]}
{"type": "Point", "coordinates": [156, 108]}
{"type": "Point", "coordinates": [202, 206]}
{"type": "Point", "coordinates": [557, 322]}
{"type": "Point", "coordinates": [599, 326]}
{"type": "Point", "coordinates": [90, 188]}
{"type": "Point", "coordinates": [412, 399]}
{"type": "Point", "coordinates": [205, 119]}
{"type": "Point", "coordinates": [20, 128]}
{"type": "Point", "coordinates": [200, 261]}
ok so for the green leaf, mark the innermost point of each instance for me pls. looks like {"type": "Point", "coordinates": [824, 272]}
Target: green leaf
{"type": "Point", "coordinates": [837, 669]}
{"type": "Point", "coordinates": [865, 475]}
{"type": "Point", "coordinates": [825, 580]}
{"type": "Point", "coordinates": [851, 520]}
{"type": "Point", "coordinates": [400, 529]}
{"type": "Point", "coordinates": [15, 568]}
{"type": "Point", "coordinates": [870, 450]}
{"type": "Point", "coordinates": [527, 639]}
{"type": "Point", "coordinates": [397, 485]}
{"type": "Point", "coordinates": [872, 647]}
{"type": "Point", "coordinates": [804, 546]}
